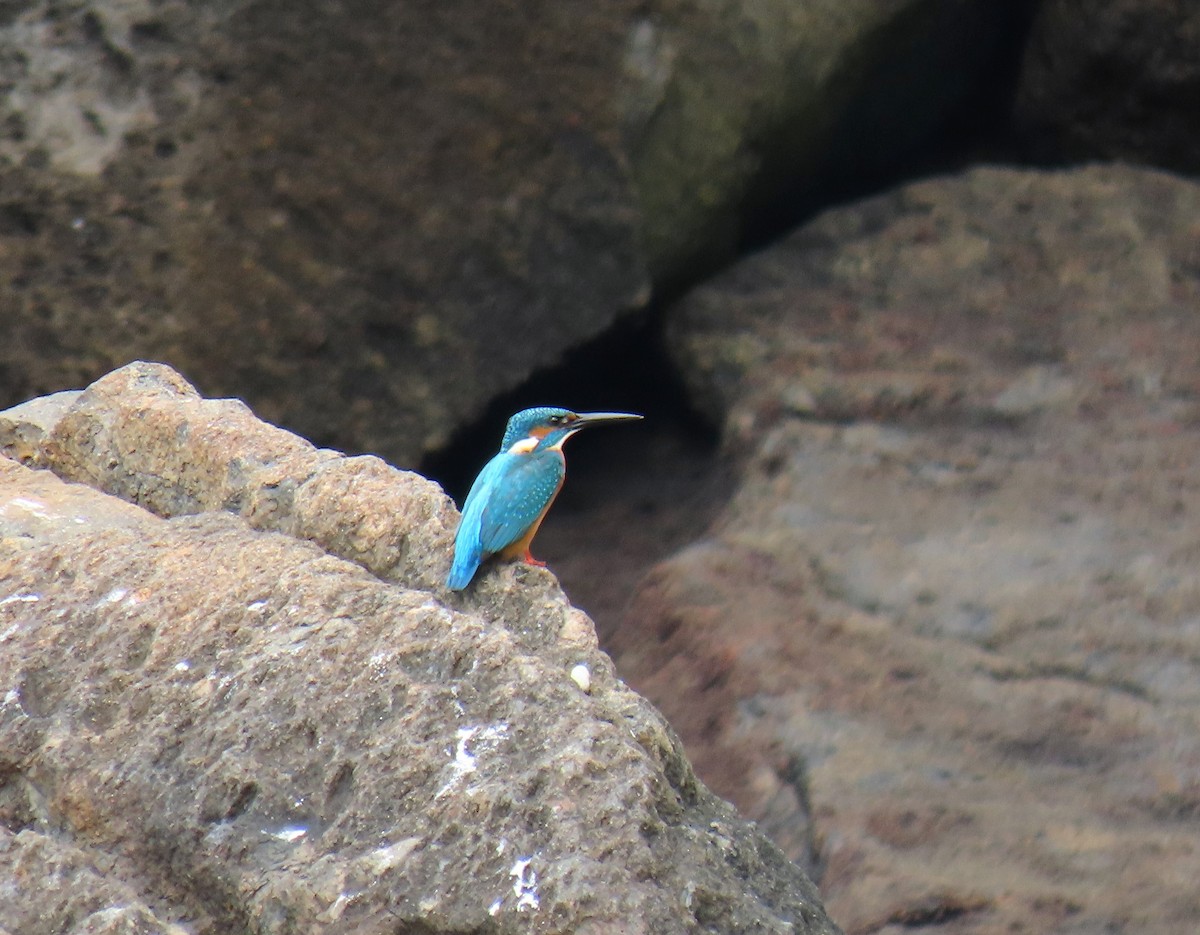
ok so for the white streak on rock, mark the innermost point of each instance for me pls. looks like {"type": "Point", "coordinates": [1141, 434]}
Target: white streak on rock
{"type": "Point", "coordinates": [35, 507]}
{"type": "Point", "coordinates": [465, 761]}
{"type": "Point", "coordinates": [525, 884]}
{"type": "Point", "coordinates": [288, 833]}
{"type": "Point", "coordinates": [20, 598]}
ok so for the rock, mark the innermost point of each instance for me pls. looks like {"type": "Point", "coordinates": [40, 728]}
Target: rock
{"type": "Point", "coordinates": [50, 886]}
{"type": "Point", "coordinates": [24, 428]}
{"type": "Point", "coordinates": [942, 642]}
{"type": "Point", "coordinates": [364, 192]}
{"type": "Point", "coordinates": [1034, 390]}
{"type": "Point", "coordinates": [1112, 80]}
{"type": "Point", "coordinates": [906, 296]}
{"type": "Point", "coordinates": [369, 220]}
{"type": "Point", "coordinates": [142, 433]}
{"type": "Point", "coordinates": [217, 727]}
{"type": "Point", "coordinates": [744, 106]}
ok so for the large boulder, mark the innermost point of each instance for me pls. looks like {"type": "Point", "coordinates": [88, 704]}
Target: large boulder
{"type": "Point", "coordinates": [369, 218]}
{"type": "Point", "coordinates": [942, 643]}
{"type": "Point", "coordinates": [234, 701]}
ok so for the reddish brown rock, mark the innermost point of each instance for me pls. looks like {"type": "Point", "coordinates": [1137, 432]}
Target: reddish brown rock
{"type": "Point", "coordinates": [942, 643]}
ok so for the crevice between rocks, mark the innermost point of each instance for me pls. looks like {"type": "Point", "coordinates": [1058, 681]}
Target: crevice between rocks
{"type": "Point", "coordinates": [634, 495]}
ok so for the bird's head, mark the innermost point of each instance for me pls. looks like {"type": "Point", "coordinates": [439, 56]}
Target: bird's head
{"type": "Point", "coordinates": [549, 427]}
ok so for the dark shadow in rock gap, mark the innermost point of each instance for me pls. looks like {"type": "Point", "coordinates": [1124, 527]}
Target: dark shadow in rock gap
{"type": "Point", "coordinates": [978, 129]}
{"type": "Point", "coordinates": [634, 494]}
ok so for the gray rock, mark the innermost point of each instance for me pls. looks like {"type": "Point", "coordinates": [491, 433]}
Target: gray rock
{"type": "Point", "coordinates": [24, 428]}
{"type": "Point", "coordinates": [368, 219]}
{"type": "Point", "coordinates": [241, 731]}
{"type": "Point", "coordinates": [49, 885]}
{"type": "Point", "coordinates": [740, 106]}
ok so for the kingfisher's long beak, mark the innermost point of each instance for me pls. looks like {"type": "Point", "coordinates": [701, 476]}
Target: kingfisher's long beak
{"type": "Point", "coordinates": [587, 419]}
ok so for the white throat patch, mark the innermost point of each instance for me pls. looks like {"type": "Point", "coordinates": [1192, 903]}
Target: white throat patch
{"type": "Point", "coordinates": [557, 446]}
{"type": "Point", "coordinates": [524, 445]}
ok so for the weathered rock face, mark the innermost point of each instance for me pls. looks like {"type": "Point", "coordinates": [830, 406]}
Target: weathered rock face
{"type": "Point", "coordinates": [365, 191]}
{"type": "Point", "coordinates": [211, 725]}
{"type": "Point", "coordinates": [1119, 79]}
{"type": "Point", "coordinates": [943, 642]}
{"type": "Point", "coordinates": [418, 202]}
{"type": "Point", "coordinates": [741, 104]}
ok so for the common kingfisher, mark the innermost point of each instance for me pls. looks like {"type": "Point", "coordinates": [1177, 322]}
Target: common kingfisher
{"type": "Point", "coordinates": [513, 492]}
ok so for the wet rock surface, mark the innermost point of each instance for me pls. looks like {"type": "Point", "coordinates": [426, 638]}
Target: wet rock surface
{"type": "Point", "coordinates": [212, 727]}
{"type": "Point", "coordinates": [942, 642]}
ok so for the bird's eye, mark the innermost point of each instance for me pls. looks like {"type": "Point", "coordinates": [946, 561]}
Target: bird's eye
{"type": "Point", "coordinates": [555, 420]}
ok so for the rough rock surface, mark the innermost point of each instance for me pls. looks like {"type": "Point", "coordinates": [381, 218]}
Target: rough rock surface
{"type": "Point", "coordinates": [212, 727]}
{"type": "Point", "coordinates": [1116, 79]}
{"type": "Point", "coordinates": [944, 643]}
{"type": "Point", "coordinates": [47, 884]}
{"type": "Point", "coordinates": [369, 218]}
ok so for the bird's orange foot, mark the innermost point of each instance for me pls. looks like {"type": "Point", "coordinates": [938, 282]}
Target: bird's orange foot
{"type": "Point", "coordinates": [530, 560]}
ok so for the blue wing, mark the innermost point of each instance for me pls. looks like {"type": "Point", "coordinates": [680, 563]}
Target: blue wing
{"type": "Point", "coordinates": [508, 496]}
{"type": "Point", "coordinates": [524, 487]}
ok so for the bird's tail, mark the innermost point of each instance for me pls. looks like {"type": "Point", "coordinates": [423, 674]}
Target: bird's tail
{"type": "Point", "coordinates": [466, 563]}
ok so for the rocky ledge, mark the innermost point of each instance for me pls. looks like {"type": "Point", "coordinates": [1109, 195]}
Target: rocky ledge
{"type": "Point", "coordinates": [236, 699]}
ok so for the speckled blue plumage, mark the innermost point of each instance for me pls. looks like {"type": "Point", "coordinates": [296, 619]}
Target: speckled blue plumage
{"type": "Point", "coordinates": [524, 422]}
{"type": "Point", "coordinates": [515, 489]}
{"type": "Point", "coordinates": [509, 495]}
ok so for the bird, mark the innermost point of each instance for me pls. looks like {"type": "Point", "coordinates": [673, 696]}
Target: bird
{"type": "Point", "coordinates": [513, 492]}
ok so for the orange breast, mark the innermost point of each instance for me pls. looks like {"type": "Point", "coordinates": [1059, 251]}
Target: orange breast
{"type": "Point", "coordinates": [520, 548]}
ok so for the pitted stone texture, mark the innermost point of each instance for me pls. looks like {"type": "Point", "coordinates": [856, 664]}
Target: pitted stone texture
{"type": "Point", "coordinates": [25, 428]}
{"type": "Point", "coordinates": [142, 433]}
{"type": "Point", "coordinates": [263, 737]}
{"type": "Point", "coordinates": [50, 887]}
